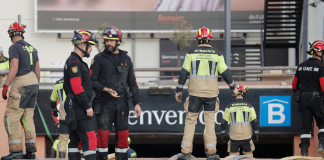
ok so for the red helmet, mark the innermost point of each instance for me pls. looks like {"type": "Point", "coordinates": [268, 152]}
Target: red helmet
{"type": "Point", "coordinates": [242, 90]}
{"type": "Point", "coordinates": [16, 29]}
{"type": "Point", "coordinates": [84, 36]}
{"type": "Point", "coordinates": [316, 46]}
{"type": "Point", "coordinates": [204, 34]}
{"type": "Point", "coordinates": [112, 33]}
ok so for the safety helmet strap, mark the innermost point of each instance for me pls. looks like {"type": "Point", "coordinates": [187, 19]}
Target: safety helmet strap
{"type": "Point", "coordinates": [84, 52]}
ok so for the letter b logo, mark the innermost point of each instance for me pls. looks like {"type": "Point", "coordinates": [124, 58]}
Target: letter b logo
{"type": "Point", "coordinates": [275, 111]}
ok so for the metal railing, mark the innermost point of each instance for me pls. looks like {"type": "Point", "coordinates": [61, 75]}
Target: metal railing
{"type": "Point", "coordinates": [238, 73]}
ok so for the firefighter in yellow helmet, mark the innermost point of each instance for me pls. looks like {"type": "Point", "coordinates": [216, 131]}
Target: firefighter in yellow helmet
{"type": "Point", "coordinates": [203, 63]}
{"type": "Point", "coordinates": [242, 117]}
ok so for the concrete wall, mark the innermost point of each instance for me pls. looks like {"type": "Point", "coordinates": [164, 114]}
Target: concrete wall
{"type": "Point", "coordinates": [315, 22]}
{"type": "Point", "coordinates": [52, 49]}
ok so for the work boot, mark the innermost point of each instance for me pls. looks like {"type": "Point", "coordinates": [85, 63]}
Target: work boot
{"type": "Point", "coordinates": [13, 155]}
{"type": "Point", "coordinates": [61, 154]}
{"type": "Point", "coordinates": [321, 147]}
{"type": "Point", "coordinates": [213, 157]}
{"type": "Point", "coordinates": [303, 149]}
{"type": "Point", "coordinates": [29, 155]}
{"type": "Point", "coordinates": [184, 156]}
{"type": "Point", "coordinates": [53, 153]}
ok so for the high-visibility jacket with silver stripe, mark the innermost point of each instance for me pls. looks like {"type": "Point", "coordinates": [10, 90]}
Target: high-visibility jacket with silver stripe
{"type": "Point", "coordinates": [203, 63]}
{"type": "Point", "coordinates": [4, 63]}
{"type": "Point", "coordinates": [240, 115]}
{"type": "Point", "coordinates": [58, 94]}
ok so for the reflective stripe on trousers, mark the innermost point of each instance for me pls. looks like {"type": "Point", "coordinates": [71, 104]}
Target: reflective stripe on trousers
{"type": "Point", "coordinates": [305, 136]}
{"type": "Point", "coordinates": [87, 153]}
{"type": "Point", "coordinates": [121, 150]}
{"type": "Point", "coordinates": [102, 149]}
{"type": "Point", "coordinates": [74, 150]}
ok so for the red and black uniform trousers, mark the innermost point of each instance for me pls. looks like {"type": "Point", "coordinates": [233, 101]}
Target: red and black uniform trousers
{"type": "Point", "coordinates": [309, 80]}
{"type": "Point", "coordinates": [113, 111]}
{"type": "Point", "coordinates": [78, 87]}
{"type": "Point", "coordinates": [106, 71]}
{"type": "Point", "coordinates": [310, 110]}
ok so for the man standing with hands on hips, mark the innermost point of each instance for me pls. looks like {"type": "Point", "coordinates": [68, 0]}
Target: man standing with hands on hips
{"type": "Point", "coordinates": [114, 81]}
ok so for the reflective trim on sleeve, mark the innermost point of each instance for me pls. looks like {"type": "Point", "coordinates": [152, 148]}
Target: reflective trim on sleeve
{"type": "Point", "coordinates": [223, 131]}
{"type": "Point", "coordinates": [74, 150]}
{"type": "Point", "coordinates": [179, 86]}
{"type": "Point", "coordinates": [257, 132]}
{"type": "Point", "coordinates": [121, 150]}
{"type": "Point", "coordinates": [239, 123]}
{"type": "Point", "coordinates": [321, 130]}
{"type": "Point", "coordinates": [232, 84]}
{"type": "Point", "coordinates": [184, 144]}
{"type": "Point", "coordinates": [15, 141]}
{"type": "Point", "coordinates": [30, 140]}
{"type": "Point", "coordinates": [305, 136]}
{"type": "Point", "coordinates": [60, 96]}
{"type": "Point", "coordinates": [86, 153]}
{"type": "Point", "coordinates": [211, 144]}
{"type": "Point", "coordinates": [204, 76]}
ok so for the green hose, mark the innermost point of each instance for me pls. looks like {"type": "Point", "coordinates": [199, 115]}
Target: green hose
{"type": "Point", "coordinates": [44, 123]}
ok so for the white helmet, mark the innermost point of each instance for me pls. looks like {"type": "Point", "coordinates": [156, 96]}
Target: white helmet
{"type": "Point", "coordinates": [1, 50]}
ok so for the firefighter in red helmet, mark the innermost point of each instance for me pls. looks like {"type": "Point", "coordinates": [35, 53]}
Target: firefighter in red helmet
{"type": "Point", "coordinates": [203, 63]}
{"type": "Point", "coordinates": [24, 75]}
{"type": "Point", "coordinates": [244, 128]}
{"type": "Point", "coordinates": [308, 87]}
{"type": "Point", "coordinates": [78, 104]}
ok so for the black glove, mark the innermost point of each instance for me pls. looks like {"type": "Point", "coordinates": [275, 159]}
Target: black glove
{"type": "Point", "coordinates": [224, 138]}
{"type": "Point", "coordinates": [55, 112]}
{"type": "Point", "coordinates": [255, 137]}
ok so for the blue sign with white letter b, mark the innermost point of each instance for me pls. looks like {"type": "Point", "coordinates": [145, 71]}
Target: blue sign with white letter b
{"type": "Point", "coordinates": [275, 111]}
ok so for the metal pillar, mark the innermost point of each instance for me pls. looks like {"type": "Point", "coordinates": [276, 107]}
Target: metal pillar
{"type": "Point", "coordinates": [19, 18]}
{"type": "Point", "coordinates": [227, 44]}
{"type": "Point", "coordinates": [133, 48]}
{"type": "Point", "coordinates": [304, 32]}
{"type": "Point", "coordinates": [261, 45]}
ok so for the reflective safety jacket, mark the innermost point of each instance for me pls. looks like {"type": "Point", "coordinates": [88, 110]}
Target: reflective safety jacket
{"type": "Point", "coordinates": [203, 63]}
{"type": "Point", "coordinates": [4, 63]}
{"type": "Point", "coordinates": [56, 145]}
{"type": "Point", "coordinates": [58, 94]}
{"type": "Point", "coordinates": [240, 115]}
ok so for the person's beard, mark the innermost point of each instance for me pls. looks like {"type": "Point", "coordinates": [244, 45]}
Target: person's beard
{"type": "Point", "coordinates": [110, 48]}
{"type": "Point", "coordinates": [87, 55]}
